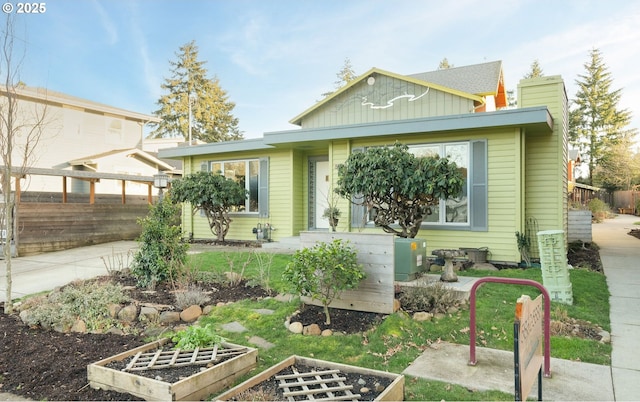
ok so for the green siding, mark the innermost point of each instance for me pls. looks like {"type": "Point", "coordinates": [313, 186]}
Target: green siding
{"type": "Point", "coordinates": [365, 103]}
{"type": "Point", "coordinates": [526, 170]}
{"type": "Point", "coordinates": [503, 203]}
{"type": "Point", "coordinates": [546, 155]}
{"type": "Point", "coordinates": [280, 198]}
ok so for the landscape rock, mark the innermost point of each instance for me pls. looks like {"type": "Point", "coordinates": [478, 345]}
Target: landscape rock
{"type": "Point", "coordinates": [261, 342]}
{"type": "Point", "coordinates": [326, 332]}
{"type": "Point", "coordinates": [169, 317]}
{"type": "Point", "coordinates": [296, 327]}
{"type": "Point", "coordinates": [207, 309]}
{"type": "Point", "coordinates": [313, 329]}
{"type": "Point", "coordinates": [114, 331]}
{"type": "Point", "coordinates": [191, 313]}
{"type": "Point", "coordinates": [114, 309]}
{"type": "Point", "coordinates": [234, 327]}
{"type": "Point", "coordinates": [606, 336]}
{"type": "Point", "coordinates": [128, 313]}
{"type": "Point", "coordinates": [148, 314]}
{"type": "Point", "coordinates": [422, 316]}
{"type": "Point", "coordinates": [79, 326]}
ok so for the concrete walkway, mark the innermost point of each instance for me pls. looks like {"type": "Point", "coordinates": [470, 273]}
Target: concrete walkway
{"type": "Point", "coordinates": [43, 272]}
{"type": "Point", "coordinates": [620, 254]}
{"type": "Point", "coordinates": [570, 380]}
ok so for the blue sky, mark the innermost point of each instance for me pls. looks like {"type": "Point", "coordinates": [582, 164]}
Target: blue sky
{"type": "Point", "coordinates": [275, 58]}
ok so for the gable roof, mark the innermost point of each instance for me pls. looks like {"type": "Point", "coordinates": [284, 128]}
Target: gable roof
{"type": "Point", "coordinates": [142, 156]}
{"type": "Point", "coordinates": [43, 95]}
{"type": "Point", "coordinates": [483, 79]}
{"type": "Point", "coordinates": [298, 119]}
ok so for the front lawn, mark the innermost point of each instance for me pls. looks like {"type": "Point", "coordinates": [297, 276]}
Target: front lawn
{"type": "Point", "coordinates": [399, 339]}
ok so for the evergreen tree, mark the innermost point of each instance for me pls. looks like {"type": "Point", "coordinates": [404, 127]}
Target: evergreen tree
{"type": "Point", "coordinates": [211, 117]}
{"type": "Point", "coordinates": [596, 123]}
{"type": "Point", "coordinates": [536, 70]}
{"type": "Point", "coordinates": [444, 64]}
{"type": "Point", "coordinates": [345, 76]}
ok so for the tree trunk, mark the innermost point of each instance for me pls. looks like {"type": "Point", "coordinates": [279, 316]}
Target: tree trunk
{"type": "Point", "coordinates": [327, 317]}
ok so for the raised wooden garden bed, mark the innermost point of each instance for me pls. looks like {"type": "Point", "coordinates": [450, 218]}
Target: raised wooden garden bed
{"type": "Point", "coordinates": [299, 378]}
{"type": "Point", "coordinates": [213, 369]}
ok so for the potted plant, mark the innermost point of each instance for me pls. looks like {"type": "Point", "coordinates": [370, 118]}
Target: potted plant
{"type": "Point", "coordinates": [332, 213]}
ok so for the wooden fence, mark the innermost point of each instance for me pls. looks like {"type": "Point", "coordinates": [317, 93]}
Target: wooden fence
{"type": "Point", "coordinates": [47, 226]}
{"type": "Point", "coordinates": [376, 253]}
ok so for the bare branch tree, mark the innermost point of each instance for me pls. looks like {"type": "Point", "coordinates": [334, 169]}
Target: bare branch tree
{"type": "Point", "coordinates": [21, 128]}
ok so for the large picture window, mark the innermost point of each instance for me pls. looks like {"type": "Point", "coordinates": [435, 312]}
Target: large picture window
{"type": "Point", "coordinates": [245, 172]}
{"type": "Point", "coordinates": [454, 211]}
{"type": "Point", "coordinates": [468, 211]}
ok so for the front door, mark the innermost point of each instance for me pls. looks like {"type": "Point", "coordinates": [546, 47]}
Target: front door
{"type": "Point", "coordinates": [319, 187]}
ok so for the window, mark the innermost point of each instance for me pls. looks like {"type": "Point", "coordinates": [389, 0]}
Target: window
{"type": "Point", "coordinates": [465, 212]}
{"type": "Point", "coordinates": [454, 211]}
{"type": "Point", "coordinates": [252, 174]}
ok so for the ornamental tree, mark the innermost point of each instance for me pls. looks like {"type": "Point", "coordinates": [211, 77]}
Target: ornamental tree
{"type": "Point", "coordinates": [214, 194]}
{"type": "Point", "coordinates": [399, 186]}
{"type": "Point", "coordinates": [324, 271]}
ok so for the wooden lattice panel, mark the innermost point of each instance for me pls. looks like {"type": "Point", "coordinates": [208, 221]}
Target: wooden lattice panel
{"type": "Point", "coordinates": [325, 385]}
{"type": "Point", "coordinates": [174, 358]}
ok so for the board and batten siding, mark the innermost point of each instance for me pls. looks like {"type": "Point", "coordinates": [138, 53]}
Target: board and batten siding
{"type": "Point", "coordinates": [387, 99]}
{"type": "Point", "coordinates": [546, 155]}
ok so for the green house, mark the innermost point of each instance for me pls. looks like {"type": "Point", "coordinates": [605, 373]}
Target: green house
{"type": "Point", "coordinates": [515, 159]}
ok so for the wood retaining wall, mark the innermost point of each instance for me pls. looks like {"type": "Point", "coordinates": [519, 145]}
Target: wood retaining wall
{"type": "Point", "coordinates": [579, 227]}
{"type": "Point", "coordinates": [376, 252]}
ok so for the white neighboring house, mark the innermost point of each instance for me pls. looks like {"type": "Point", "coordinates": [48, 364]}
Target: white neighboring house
{"type": "Point", "coordinates": [75, 128]}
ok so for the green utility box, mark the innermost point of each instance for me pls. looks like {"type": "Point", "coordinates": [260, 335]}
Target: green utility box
{"type": "Point", "coordinates": [410, 258]}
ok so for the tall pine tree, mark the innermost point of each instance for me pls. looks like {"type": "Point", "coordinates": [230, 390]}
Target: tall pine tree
{"type": "Point", "coordinates": [596, 123]}
{"type": "Point", "coordinates": [536, 70]}
{"type": "Point", "coordinates": [345, 76]}
{"type": "Point", "coordinates": [211, 110]}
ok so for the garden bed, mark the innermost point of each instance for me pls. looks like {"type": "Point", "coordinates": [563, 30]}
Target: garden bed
{"type": "Point", "coordinates": [189, 382]}
{"type": "Point", "coordinates": [300, 378]}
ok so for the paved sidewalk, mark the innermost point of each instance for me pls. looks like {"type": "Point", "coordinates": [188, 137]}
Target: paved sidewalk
{"type": "Point", "coordinates": [620, 254]}
{"type": "Point", "coordinates": [43, 272]}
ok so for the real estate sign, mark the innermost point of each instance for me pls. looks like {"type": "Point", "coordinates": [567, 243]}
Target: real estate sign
{"type": "Point", "coordinates": [527, 341]}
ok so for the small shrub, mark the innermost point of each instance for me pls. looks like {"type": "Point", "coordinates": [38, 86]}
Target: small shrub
{"type": "Point", "coordinates": [162, 251]}
{"type": "Point", "coordinates": [196, 337]}
{"type": "Point", "coordinates": [235, 275]}
{"type": "Point", "coordinates": [434, 298]}
{"type": "Point", "coordinates": [264, 262]}
{"type": "Point", "coordinates": [598, 208]}
{"type": "Point", "coordinates": [116, 263]}
{"type": "Point", "coordinates": [87, 301]}
{"type": "Point", "coordinates": [324, 271]}
{"type": "Point", "coordinates": [191, 295]}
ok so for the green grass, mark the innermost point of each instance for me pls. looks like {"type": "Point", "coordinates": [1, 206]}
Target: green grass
{"type": "Point", "coordinates": [398, 340]}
